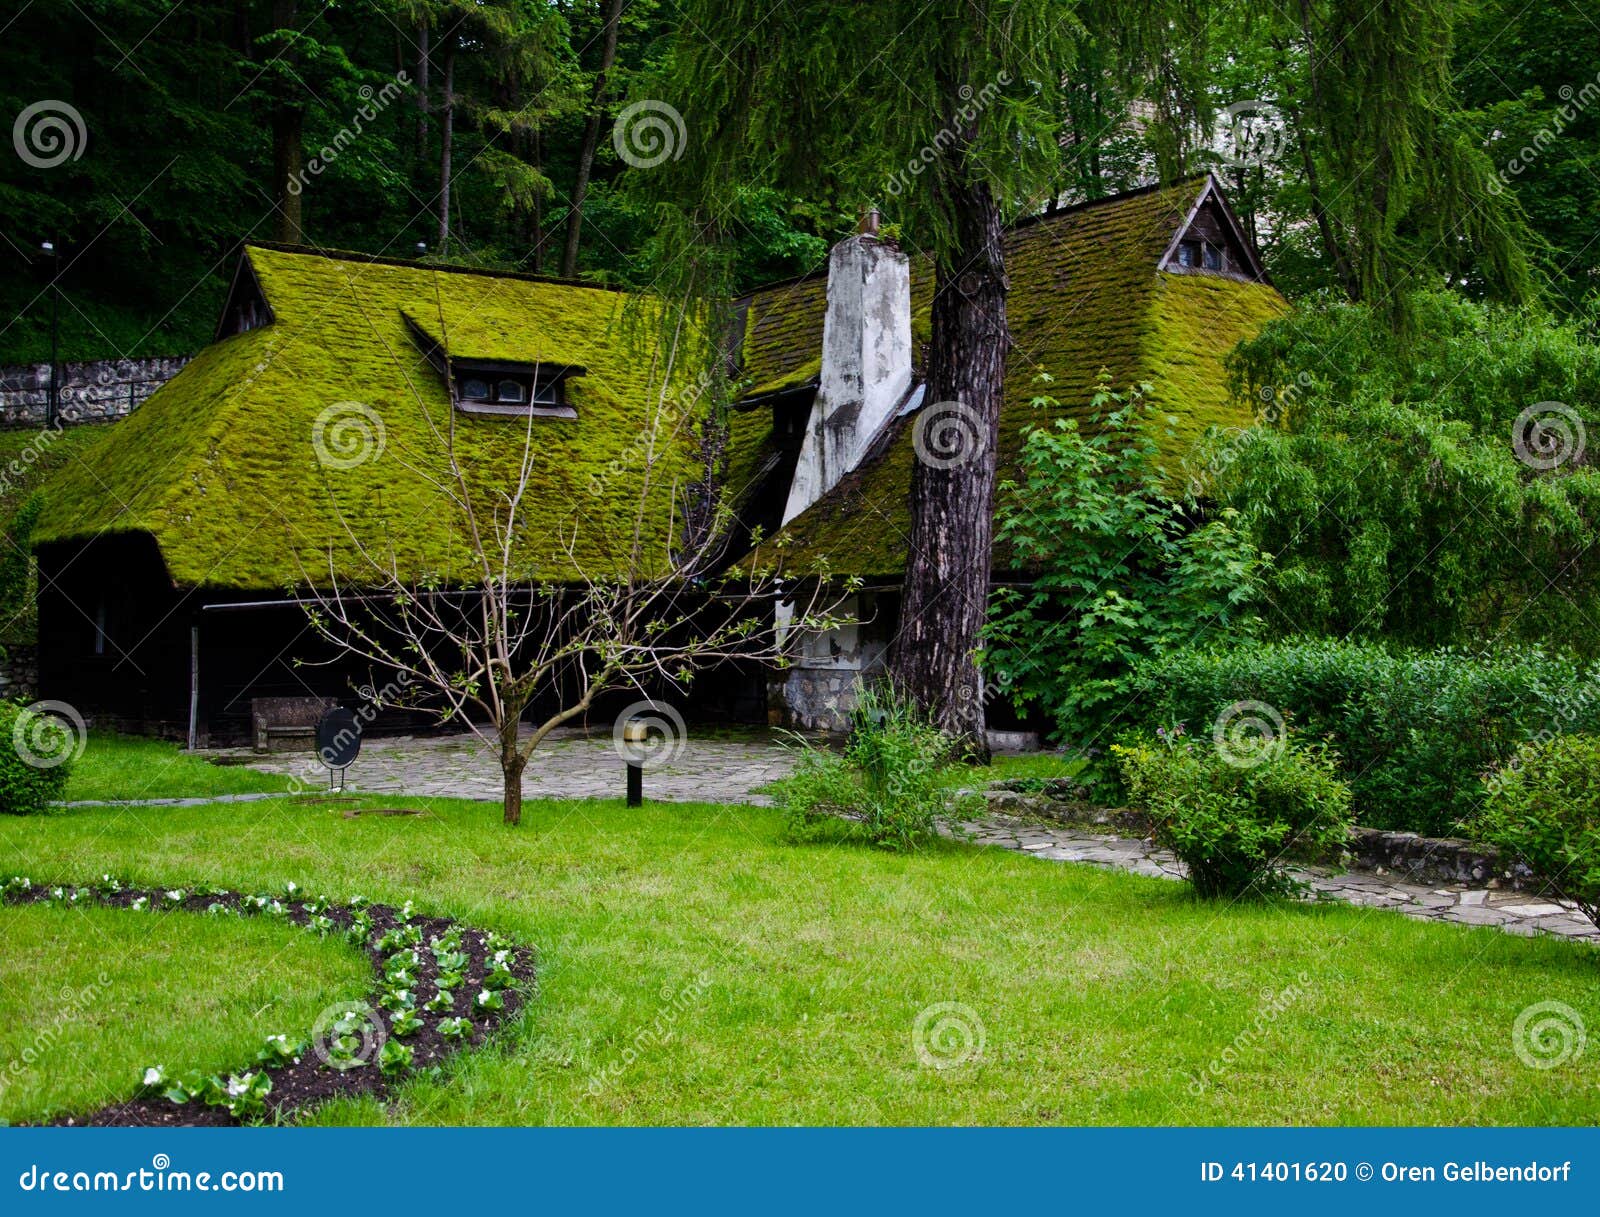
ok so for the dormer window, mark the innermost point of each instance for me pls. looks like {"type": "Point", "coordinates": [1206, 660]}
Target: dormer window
{"type": "Point", "coordinates": [513, 389]}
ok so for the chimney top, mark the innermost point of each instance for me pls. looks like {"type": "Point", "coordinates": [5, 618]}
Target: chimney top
{"type": "Point", "coordinates": [870, 219]}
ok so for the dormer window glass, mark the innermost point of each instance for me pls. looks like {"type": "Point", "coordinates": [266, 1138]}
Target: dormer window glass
{"type": "Point", "coordinates": [490, 387]}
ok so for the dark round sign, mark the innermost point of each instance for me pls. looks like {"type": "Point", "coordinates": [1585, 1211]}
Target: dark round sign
{"type": "Point", "coordinates": [338, 738]}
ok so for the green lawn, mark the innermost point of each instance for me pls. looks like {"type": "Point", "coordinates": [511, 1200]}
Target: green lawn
{"type": "Point", "coordinates": [697, 968]}
{"type": "Point", "coordinates": [91, 996]}
{"type": "Point", "coordinates": [130, 767]}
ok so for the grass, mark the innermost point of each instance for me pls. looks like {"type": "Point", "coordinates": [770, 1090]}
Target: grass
{"type": "Point", "coordinates": [696, 968]}
{"type": "Point", "coordinates": [91, 996]}
{"type": "Point", "coordinates": [131, 767]}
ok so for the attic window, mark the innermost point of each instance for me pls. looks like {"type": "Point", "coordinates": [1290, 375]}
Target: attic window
{"type": "Point", "coordinates": [514, 388]}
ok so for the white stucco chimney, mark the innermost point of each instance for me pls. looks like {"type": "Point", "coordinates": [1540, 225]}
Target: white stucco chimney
{"type": "Point", "coordinates": [866, 362]}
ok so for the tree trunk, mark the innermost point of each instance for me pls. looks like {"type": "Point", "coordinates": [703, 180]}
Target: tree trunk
{"type": "Point", "coordinates": [512, 763]}
{"type": "Point", "coordinates": [421, 136]}
{"type": "Point", "coordinates": [447, 111]}
{"type": "Point", "coordinates": [288, 155]}
{"type": "Point", "coordinates": [946, 587]}
{"type": "Point", "coordinates": [591, 139]}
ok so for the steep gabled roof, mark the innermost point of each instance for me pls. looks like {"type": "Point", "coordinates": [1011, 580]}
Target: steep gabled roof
{"type": "Point", "coordinates": [221, 466]}
{"type": "Point", "coordinates": [1085, 294]}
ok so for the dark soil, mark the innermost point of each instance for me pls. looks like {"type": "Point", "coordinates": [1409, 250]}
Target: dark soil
{"type": "Point", "coordinates": [308, 1081]}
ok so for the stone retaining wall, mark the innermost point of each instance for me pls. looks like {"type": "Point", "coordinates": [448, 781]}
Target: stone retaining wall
{"type": "Point", "coordinates": [90, 391]}
{"type": "Point", "coordinates": [1405, 854]}
{"type": "Point", "coordinates": [19, 672]}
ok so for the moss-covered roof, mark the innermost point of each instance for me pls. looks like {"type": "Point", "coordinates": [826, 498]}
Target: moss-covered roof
{"type": "Point", "coordinates": [221, 466]}
{"type": "Point", "coordinates": [1085, 294]}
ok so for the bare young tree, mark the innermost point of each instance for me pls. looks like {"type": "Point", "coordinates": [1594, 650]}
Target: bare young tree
{"type": "Point", "coordinates": [661, 603]}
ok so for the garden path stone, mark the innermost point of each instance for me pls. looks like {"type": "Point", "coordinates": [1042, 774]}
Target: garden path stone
{"type": "Point", "coordinates": [723, 765]}
{"type": "Point", "coordinates": [1512, 911]}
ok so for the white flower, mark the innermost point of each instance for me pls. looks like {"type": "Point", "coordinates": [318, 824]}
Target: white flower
{"type": "Point", "coordinates": [175, 895]}
{"type": "Point", "coordinates": [483, 997]}
{"type": "Point", "coordinates": [291, 887]}
{"type": "Point", "coordinates": [239, 1084]}
{"type": "Point", "coordinates": [502, 959]}
{"type": "Point", "coordinates": [154, 1076]}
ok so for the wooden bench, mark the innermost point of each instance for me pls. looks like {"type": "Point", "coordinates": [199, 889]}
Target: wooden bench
{"type": "Point", "coordinates": [287, 724]}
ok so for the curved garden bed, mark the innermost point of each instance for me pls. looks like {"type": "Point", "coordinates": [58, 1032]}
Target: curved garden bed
{"type": "Point", "coordinates": [440, 987]}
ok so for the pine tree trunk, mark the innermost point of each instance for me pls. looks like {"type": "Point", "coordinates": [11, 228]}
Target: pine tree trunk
{"type": "Point", "coordinates": [946, 587]}
{"type": "Point", "coordinates": [422, 94]}
{"type": "Point", "coordinates": [288, 154]}
{"type": "Point", "coordinates": [447, 112]}
{"type": "Point", "coordinates": [591, 139]}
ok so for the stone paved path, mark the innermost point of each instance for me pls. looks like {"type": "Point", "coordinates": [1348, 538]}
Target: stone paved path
{"type": "Point", "coordinates": [1513, 912]}
{"type": "Point", "coordinates": [728, 766]}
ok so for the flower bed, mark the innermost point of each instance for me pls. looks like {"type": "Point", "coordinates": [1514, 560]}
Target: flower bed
{"type": "Point", "coordinates": [440, 987]}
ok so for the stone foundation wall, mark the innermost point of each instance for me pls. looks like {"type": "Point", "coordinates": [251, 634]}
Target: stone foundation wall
{"type": "Point", "coordinates": [19, 672]}
{"type": "Point", "coordinates": [92, 391]}
{"type": "Point", "coordinates": [813, 699]}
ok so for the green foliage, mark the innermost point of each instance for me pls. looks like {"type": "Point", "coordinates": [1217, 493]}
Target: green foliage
{"type": "Point", "coordinates": [1414, 731]}
{"type": "Point", "coordinates": [1545, 807]}
{"type": "Point", "coordinates": [1120, 570]}
{"type": "Point", "coordinates": [1392, 493]}
{"type": "Point", "coordinates": [26, 787]}
{"type": "Point", "coordinates": [1233, 820]}
{"type": "Point", "coordinates": [1526, 74]}
{"type": "Point", "coordinates": [887, 786]}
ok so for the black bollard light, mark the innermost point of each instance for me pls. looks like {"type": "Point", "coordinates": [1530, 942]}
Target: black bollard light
{"type": "Point", "coordinates": [634, 738]}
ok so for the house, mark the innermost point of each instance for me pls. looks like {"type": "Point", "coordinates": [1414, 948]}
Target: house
{"type": "Point", "coordinates": [310, 431]}
{"type": "Point", "coordinates": [1156, 286]}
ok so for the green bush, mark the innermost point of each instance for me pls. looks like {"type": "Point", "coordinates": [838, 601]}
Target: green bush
{"type": "Point", "coordinates": [1232, 817]}
{"type": "Point", "coordinates": [1415, 731]}
{"type": "Point", "coordinates": [1545, 807]}
{"type": "Point", "coordinates": [25, 787]}
{"type": "Point", "coordinates": [1120, 568]}
{"type": "Point", "coordinates": [887, 787]}
{"type": "Point", "coordinates": [1400, 481]}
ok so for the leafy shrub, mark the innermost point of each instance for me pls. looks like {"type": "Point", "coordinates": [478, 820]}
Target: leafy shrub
{"type": "Point", "coordinates": [888, 786]}
{"type": "Point", "coordinates": [1232, 819]}
{"type": "Point", "coordinates": [1415, 731]}
{"type": "Point", "coordinates": [1390, 488]}
{"type": "Point", "coordinates": [25, 787]}
{"type": "Point", "coordinates": [1546, 808]}
{"type": "Point", "coordinates": [1120, 569]}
